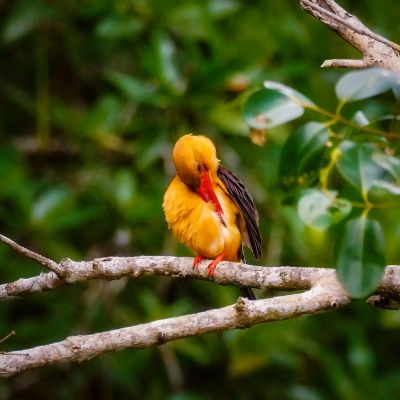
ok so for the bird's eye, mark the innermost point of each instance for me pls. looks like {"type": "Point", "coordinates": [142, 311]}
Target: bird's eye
{"type": "Point", "coordinates": [198, 167]}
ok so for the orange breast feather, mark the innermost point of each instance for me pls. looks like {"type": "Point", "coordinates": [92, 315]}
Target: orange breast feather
{"type": "Point", "coordinates": [196, 224]}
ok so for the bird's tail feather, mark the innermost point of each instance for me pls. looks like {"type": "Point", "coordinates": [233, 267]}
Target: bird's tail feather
{"type": "Point", "coordinates": [247, 292]}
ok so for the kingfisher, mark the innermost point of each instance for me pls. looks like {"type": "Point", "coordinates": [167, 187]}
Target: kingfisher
{"type": "Point", "coordinates": [208, 208]}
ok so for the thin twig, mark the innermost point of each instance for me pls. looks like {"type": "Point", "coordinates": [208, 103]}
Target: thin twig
{"type": "Point", "coordinates": [12, 333]}
{"type": "Point", "coordinates": [345, 63]}
{"type": "Point", "coordinates": [45, 262]}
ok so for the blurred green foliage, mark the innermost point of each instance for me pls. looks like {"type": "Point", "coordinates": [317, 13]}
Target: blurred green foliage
{"type": "Point", "coordinates": [340, 167]}
{"type": "Point", "coordinates": [93, 96]}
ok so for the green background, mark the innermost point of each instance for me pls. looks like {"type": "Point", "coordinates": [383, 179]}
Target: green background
{"type": "Point", "coordinates": [93, 94]}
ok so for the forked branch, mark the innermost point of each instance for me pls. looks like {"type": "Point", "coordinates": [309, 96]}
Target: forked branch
{"type": "Point", "coordinates": [242, 314]}
{"type": "Point", "coordinates": [322, 292]}
{"type": "Point", "coordinates": [376, 50]}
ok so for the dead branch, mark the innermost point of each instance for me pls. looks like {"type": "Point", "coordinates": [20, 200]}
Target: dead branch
{"type": "Point", "coordinates": [322, 292]}
{"type": "Point", "coordinates": [325, 295]}
{"type": "Point", "coordinates": [376, 50]}
{"type": "Point", "coordinates": [227, 273]}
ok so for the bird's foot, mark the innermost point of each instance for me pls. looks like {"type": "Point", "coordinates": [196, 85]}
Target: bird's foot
{"type": "Point", "coordinates": [212, 265]}
{"type": "Point", "coordinates": [197, 261]}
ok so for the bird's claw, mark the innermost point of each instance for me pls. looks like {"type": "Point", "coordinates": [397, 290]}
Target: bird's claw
{"type": "Point", "coordinates": [211, 267]}
{"type": "Point", "coordinates": [197, 261]}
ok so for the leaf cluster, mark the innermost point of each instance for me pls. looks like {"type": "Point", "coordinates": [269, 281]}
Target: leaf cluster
{"type": "Point", "coordinates": [341, 168]}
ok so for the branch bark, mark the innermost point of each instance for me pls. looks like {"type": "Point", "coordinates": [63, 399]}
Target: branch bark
{"type": "Point", "coordinates": [240, 315]}
{"type": "Point", "coordinates": [324, 295]}
{"type": "Point", "coordinates": [322, 292]}
{"type": "Point", "coordinates": [376, 50]}
{"type": "Point", "coordinates": [227, 273]}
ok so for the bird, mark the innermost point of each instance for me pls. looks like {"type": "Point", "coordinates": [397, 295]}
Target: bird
{"type": "Point", "coordinates": [208, 208]}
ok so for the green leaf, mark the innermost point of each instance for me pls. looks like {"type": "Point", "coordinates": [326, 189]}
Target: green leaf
{"type": "Point", "coordinates": [223, 8]}
{"type": "Point", "coordinates": [117, 27]}
{"type": "Point", "coordinates": [360, 119]}
{"type": "Point", "coordinates": [166, 64]}
{"type": "Point", "coordinates": [396, 91]}
{"type": "Point", "coordinates": [124, 189]}
{"type": "Point", "coordinates": [24, 18]}
{"type": "Point", "coordinates": [357, 166]}
{"type": "Point", "coordinates": [361, 259]}
{"type": "Point", "coordinates": [228, 119]}
{"type": "Point", "coordinates": [189, 20]}
{"type": "Point", "coordinates": [290, 93]}
{"type": "Point", "coordinates": [320, 210]}
{"type": "Point", "coordinates": [389, 163]}
{"type": "Point", "coordinates": [384, 192]}
{"type": "Point", "coordinates": [49, 203]}
{"type": "Point", "coordinates": [358, 85]}
{"type": "Point", "coordinates": [303, 151]}
{"type": "Point", "coordinates": [132, 88]}
{"type": "Point", "coordinates": [390, 187]}
{"type": "Point", "coordinates": [104, 116]}
{"type": "Point", "coordinates": [267, 108]}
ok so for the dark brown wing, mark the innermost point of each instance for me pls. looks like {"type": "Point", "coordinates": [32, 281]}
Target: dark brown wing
{"type": "Point", "coordinates": [244, 202]}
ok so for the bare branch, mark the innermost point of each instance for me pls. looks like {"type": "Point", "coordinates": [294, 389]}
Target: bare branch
{"type": "Point", "coordinates": [337, 63]}
{"type": "Point", "coordinates": [323, 296]}
{"type": "Point", "coordinates": [45, 262]}
{"type": "Point", "coordinates": [12, 333]}
{"type": "Point", "coordinates": [354, 24]}
{"type": "Point", "coordinates": [227, 273]}
{"type": "Point", "coordinates": [384, 301]}
{"type": "Point", "coordinates": [377, 51]}
{"type": "Point", "coordinates": [322, 292]}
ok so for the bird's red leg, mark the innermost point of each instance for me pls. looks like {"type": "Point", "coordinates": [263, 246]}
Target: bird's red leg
{"type": "Point", "coordinates": [196, 261]}
{"type": "Point", "coordinates": [211, 266]}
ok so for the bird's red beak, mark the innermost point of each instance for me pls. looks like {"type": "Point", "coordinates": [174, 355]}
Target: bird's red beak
{"type": "Point", "coordinates": [206, 192]}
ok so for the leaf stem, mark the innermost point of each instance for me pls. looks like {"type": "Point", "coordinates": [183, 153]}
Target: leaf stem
{"type": "Point", "coordinates": [325, 172]}
{"type": "Point", "coordinates": [338, 118]}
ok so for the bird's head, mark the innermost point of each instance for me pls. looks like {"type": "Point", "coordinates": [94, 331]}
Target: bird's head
{"type": "Point", "coordinates": [194, 156]}
{"type": "Point", "coordinates": [196, 164]}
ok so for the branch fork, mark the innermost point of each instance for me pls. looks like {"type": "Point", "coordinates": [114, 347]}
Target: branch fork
{"type": "Point", "coordinates": [321, 292]}
{"type": "Point", "coordinates": [376, 50]}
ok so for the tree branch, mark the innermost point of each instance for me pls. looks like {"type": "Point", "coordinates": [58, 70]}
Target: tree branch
{"type": "Point", "coordinates": [344, 63]}
{"type": "Point", "coordinates": [45, 262]}
{"type": "Point", "coordinates": [322, 292]}
{"type": "Point", "coordinates": [227, 273]}
{"type": "Point", "coordinates": [377, 51]}
{"type": "Point", "coordinates": [323, 296]}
